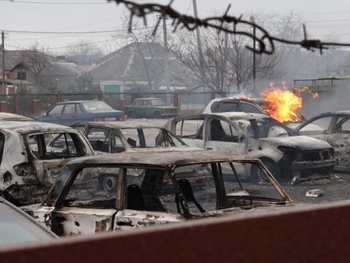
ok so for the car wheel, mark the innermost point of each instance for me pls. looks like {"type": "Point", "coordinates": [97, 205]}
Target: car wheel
{"type": "Point", "coordinates": [108, 183]}
{"type": "Point", "coordinates": [131, 115]}
{"type": "Point", "coordinates": [259, 177]}
{"type": "Point", "coordinates": [157, 115]}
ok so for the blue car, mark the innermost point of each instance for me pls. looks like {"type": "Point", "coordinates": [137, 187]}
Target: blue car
{"type": "Point", "coordinates": [69, 112]}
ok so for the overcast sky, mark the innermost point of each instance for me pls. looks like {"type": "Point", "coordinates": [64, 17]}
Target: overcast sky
{"type": "Point", "coordinates": [38, 17]}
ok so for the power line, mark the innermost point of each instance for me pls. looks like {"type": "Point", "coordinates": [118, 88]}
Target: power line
{"type": "Point", "coordinates": [62, 33]}
{"type": "Point", "coordinates": [53, 3]}
{"type": "Point", "coordinates": [328, 21]}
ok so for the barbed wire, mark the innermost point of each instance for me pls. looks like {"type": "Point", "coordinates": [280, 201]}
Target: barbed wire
{"type": "Point", "coordinates": [264, 41]}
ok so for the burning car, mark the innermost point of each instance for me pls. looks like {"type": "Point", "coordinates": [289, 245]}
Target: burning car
{"type": "Point", "coordinates": [28, 165]}
{"type": "Point", "coordinates": [334, 128]}
{"type": "Point", "coordinates": [289, 157]}
{"type": "Point", "coordinates": [254, 105]}
{"type": "Point", "coordinates": [160, 198]}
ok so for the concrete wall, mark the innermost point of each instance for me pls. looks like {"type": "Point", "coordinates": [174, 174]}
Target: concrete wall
{"type": "Point", "coordinates": [300, 234]}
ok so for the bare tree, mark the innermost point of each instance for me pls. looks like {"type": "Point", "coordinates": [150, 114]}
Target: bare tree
{"type": "Point", "coordinates": [36, 59]}
{"type": "Point", "coordinates": [227, 64]}
{"type": "Point", "coordinates": [84, 52]}
{"type": "Point", "coordinates": [147, 49]}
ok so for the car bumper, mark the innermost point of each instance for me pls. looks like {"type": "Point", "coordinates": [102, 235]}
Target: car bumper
{"type": "Point", "coordinates": [306, 165]}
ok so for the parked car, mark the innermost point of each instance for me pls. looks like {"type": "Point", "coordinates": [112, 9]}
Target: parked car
{"type": "Point", "coordinates": [150, 108]}
{"type": "Point", "coordinates": [28, 166]}
{"type": "Point", "coordinates": [69, 112]}
{"type": "Point", "coordinates": [289, 157]}
{"type": "Point", "coordinates": [160, 197]}
{"type": "Point", "coordinates": [6, 116]}
{"type": "Point", "coordinates": [251, 105]}
{"type": "Point", "coordinates": [116, 137]}
{"type": "Point", "coordinates": [334, 128]}
{"type": "Point", "coordinates": [18, 228]}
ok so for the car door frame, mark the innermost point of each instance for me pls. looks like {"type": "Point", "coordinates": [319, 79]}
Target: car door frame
{"type": "Point", "coordinates": [239, 147]}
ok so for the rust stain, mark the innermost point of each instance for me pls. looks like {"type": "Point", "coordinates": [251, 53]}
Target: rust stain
{"type": "Point", "coordinates": [101, 226]}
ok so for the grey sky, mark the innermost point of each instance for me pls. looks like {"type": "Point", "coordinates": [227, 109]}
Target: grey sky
{"type": "Point", "coordinates": [324, 18]}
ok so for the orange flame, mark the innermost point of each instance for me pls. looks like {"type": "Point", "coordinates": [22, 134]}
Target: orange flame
{"type": "Point", "coordinates": [282, 104]}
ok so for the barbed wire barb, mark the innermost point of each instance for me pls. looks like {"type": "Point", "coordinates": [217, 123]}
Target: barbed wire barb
{"type": "Point", "coordinates": [265, 41]}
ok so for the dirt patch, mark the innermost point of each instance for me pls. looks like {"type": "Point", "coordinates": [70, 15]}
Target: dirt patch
{"type": "Point", "coordinates": [335, 188]}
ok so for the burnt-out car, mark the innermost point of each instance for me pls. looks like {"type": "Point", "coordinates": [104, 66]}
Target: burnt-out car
{"type": "Point", "coordinates": [334, 128]}
{"type": "Point", "coordinates": [116, 137]}
{"type": "Point", "coordinates": [29, 166]}
{"type": "Point", "coordinates": [254, 105]}
{"type": "Point", "coordinates": [164, 195]}
{"type": "Point", "coordinates": [290, 158]}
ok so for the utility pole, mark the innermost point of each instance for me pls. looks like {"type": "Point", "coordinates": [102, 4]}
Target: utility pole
{"type": "Point", "coordinates": [3, 60]}
{"type": "Point", "coordinates": [166, 54]}
{"type": "Point", "coordinates": [199, 43]}
{"type": "Point", "coordinates": [252, 20]}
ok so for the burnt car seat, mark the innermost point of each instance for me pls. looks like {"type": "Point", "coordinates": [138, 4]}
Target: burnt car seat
{"type": "Point", "coordinates": [217, 133]}
{"type": "Point", "coordinates": [186, 189]}
{"type": "Point", "coordinates": [134, 197]}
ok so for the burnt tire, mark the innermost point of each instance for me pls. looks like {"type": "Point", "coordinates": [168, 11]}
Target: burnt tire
{"type": "Point", "coordinates": [108, 183]}
{"type": "Point", "coordinates": [258, 177]}
{"type": "Point", "coordinates": [131, 115]}
{"type": "Point", "coordinates": [157, 115]}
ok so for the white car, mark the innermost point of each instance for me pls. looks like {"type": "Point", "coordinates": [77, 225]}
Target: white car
{"type": "Point", "coordinates": [249, 105]}
{"type": "Point", "coordinates": [289, 157]}
{"type": "Point", "coordinates": [29, 166]}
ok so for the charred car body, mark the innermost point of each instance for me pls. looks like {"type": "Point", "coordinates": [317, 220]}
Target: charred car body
{"type": "Point", "coordinates": [28, 165]}
{"type": "Point", "coordinates": [289, 157]}
{"type": "Point", "coordinates": [334, 128]}
{"type": "Point", "coordinates": [116, 137]}
{"type": "Point", "coordinates": [72, 210]}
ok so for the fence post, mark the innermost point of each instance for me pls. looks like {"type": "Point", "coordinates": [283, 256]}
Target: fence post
{"type": "Point", "coordinates": [176, 99]}
{"type": "Point", "coordinates": [4, 106]}
{"type": "Point", "coordinates": [122, 104]}
{"type": "Point", "coordinates": [36, 110]}
{"type": "Point", "coordinates": [17, 108]}
{"type": "Point", "coordinates": [212, 95]}
{"type": "Point", "coordinates": [101, 95]}
{"type": "Point", "coordinates": [58, 97]}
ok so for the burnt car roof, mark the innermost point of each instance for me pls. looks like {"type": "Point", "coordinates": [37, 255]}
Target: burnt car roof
{"type": "Point", "coordinates": [241, 115]}
{"type": "Point", "coordinates": [6, 116]}
{"type": "Point", "coordinates": [162, 159]}
{"type": "Point", "coordinates": [115, 124]}
{"type": "Point", "coordinates": [343, 112]}
{"type": "Point", "coordinates": [33, 126]}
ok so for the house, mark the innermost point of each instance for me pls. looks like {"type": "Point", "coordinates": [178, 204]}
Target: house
{"type": "Point", "coordinates": [37, 71]}
{"type": "Point", "coordinates": [138, 66]}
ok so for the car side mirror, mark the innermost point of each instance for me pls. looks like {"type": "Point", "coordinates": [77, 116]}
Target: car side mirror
{"type": "Point", "coordinates": [45, 114]}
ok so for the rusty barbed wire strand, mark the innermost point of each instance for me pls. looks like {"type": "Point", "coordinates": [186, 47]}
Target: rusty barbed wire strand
{"type": "Point", "coordinates": [265, 41]}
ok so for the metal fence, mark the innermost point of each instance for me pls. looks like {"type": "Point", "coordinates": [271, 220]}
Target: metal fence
{"type": "Point", "coordinates": [36, 104]}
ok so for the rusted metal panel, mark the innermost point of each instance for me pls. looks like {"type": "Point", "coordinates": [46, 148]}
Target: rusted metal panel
{"type": "Point", "coordinates": [83, 221]}
{"type": "Point", "coordinates": [129, 219]}
{"type": "Point", "coordinates": [302, 234]}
